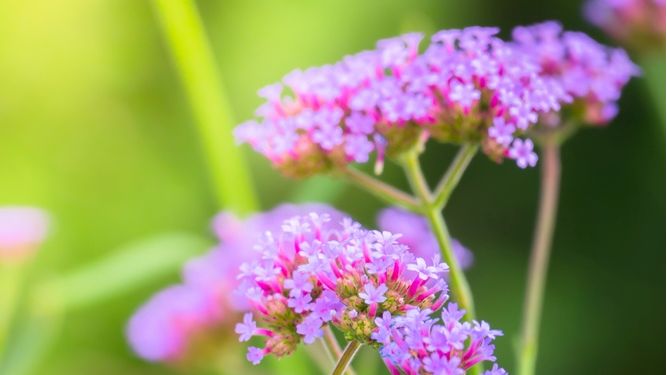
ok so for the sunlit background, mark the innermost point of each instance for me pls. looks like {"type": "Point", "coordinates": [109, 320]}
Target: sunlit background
{"type": "Point", "coordinates": [95, 128]}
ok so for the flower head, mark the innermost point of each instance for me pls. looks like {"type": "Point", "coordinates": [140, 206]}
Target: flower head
{"type": "Point", "coordinates": [342, 275]}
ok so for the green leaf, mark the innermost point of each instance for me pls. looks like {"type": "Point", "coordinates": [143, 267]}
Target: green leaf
{"type": "Point", "coordinates": [123, 270]}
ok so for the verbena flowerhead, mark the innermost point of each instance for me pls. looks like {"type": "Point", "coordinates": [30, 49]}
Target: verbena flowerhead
{"type": "Point", "coordinates": [181, 322]}
{"type": "Point", "coordinates": [315, 272]}
{"type": "Point", "coordinates": [593, 75]}
{"type": "Point", "coordinates": [418, 343]}
{"type": "Point", "coordinates": [417, 235]}
{"type": "Point", "coordinates": [22, 230]}
{"type": "Point", "coordinates": [638, 23]}
{"type": "Point", "coordinates": [381, 102]}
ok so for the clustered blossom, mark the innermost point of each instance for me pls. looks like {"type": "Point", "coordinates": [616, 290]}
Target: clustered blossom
{"type": "Point", "coordinates": [417, 235]}
{"type": "Point", "coordinates": [592, 74]}
{"type": "Point", "coordinates": [640, 23]}
{"type": "Point", "coordinates": [309, 275]}
{"type": "Point", "coordinates": [22, 230]}
{"type": "Point", "coordinates": [177, 321]}
{"type": "Point", "coordinates": [360, 281]}
{"type": "Point", "coordinates": [384, 100]}
{"type": "Point", "coordinates": [417, 343]}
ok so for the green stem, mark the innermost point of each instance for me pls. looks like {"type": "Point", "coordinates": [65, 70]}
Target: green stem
{"type": "Point", "coordinates": [184, 34]}
{"type": "Point", "coordinates": [331, 342]}
{"type": "Point", "coordinates": [449, 181]}
{"type": "Point", "coordinates": [382, 190]}
{"type": "Point", "coordinates": [346, 358]}
{"type": "Point", "coordinates": [333, 347]}
{"type": "Point", "coordinates": [539, 257]}
{"type": "Point", "coordinates": [11, 279]}
{"type": "Point", "coordinates": [458, 281]}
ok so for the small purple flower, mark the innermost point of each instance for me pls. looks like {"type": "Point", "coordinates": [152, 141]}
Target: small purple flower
{"type": "Point", "coordinates": [522, 152]}
{"type": "Point", "coordinates": [300, 303]}
{"type": "Point", "coordinates": [310, 328]}
{"type": "Point", "coordinates": [246, 329]}
{"type": "Point", "coordinates": [502, 132]}
{"type": "Point", "coordinates": [464, 94]}
{"type": "Point", "coordinates": [255, 355]}
{"type": "Point", "coordinates": [373, 294]}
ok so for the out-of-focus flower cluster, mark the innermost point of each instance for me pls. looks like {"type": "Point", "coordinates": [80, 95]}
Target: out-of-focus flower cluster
{"type": "Point", "coordinates": [315, 272]}
{"type": "Point", "coordinates": [467, 86]}
{"type": "Point", "coordinates": [593, 75]}
{"type": "Point", "coordinates": [638, 23]}
{"type": "Point", "coordinates": [417, 343]}
{"type": "Point", "coordinates": [183, 320]}
{"type": "Point", "coordinates": [22, 231]}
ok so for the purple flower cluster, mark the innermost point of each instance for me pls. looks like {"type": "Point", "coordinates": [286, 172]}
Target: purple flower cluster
{"type": "Point", "coordinates": [365, 283]}
{"type": "Point", "coordinates": [417, 235]}
{"type": "Point", "coordinates": [637, 22]}
{"type": "Point", "coordinates": [593, 75]}
{"type": "Point", "coordinates": [22, 230]}
{"type": "Point", "coordinates": [316, 272]}
{"type": "Point", "coordinates": [382, 101]}
{"type": "Point", "coordinates": [179, 319]}
{"type": "Point", "coordinates": [416, 343]}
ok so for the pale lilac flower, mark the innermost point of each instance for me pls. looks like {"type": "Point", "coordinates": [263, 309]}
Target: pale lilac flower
{"type": "Point", "coordinates": [522, 152]}
{"type": "Point", "coordinates": [255, 355]}
{"type": "Point", "coordinates": [246, 329]}
{"type": "Point", "coordinates": [373, 294]}
{"type": "Point", "coordinates": [502, 132]}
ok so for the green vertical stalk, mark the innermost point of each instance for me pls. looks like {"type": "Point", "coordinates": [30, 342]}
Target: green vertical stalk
{"type": "Point", "coordinates": [346, 357]}
{"type": "Point", "coordinates": [431, 211]}
{"type": "Point", "coordinates": [184, 34]}
{"type": "Point", "coordinates": [11, 278]}
{"type": "Point", "coordinates": [539, 258]}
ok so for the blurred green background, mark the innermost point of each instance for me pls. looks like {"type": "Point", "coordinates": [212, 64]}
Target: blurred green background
{"type": "Point", "coordinates": [95, 127]}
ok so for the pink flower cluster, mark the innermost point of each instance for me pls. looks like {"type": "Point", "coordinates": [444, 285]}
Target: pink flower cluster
{"type": "Point", "coordinates": [593, 75]}
{"type": "Point", "coordinates": [382, 101]}
{"type": "Point", "coordinates": [315, 273]}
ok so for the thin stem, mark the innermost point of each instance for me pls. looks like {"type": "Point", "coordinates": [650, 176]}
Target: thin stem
{"type": "Point", "coordinates": [457, 278]}
{"type": "Point", "coordinates": [184, 34]}
{"type": "Point", "coordinates": [11, 279]}
{"type": "Point", "coordinates": [458, 281]}
{"type": "Point", "coordinates": [539, 257]}
{"type": "Point", "coordinates": [332, 346]}
{"type": "Point", "coordinates": [331, 342]}
{"type": "Point", "coordinates": [449, 181]}
{"type": "Point", "coordinates": [346, 358]}
{"type": "Point", "coordinates": [382, 190]}
{"type": "Point", "coordinates": [416, 178]}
